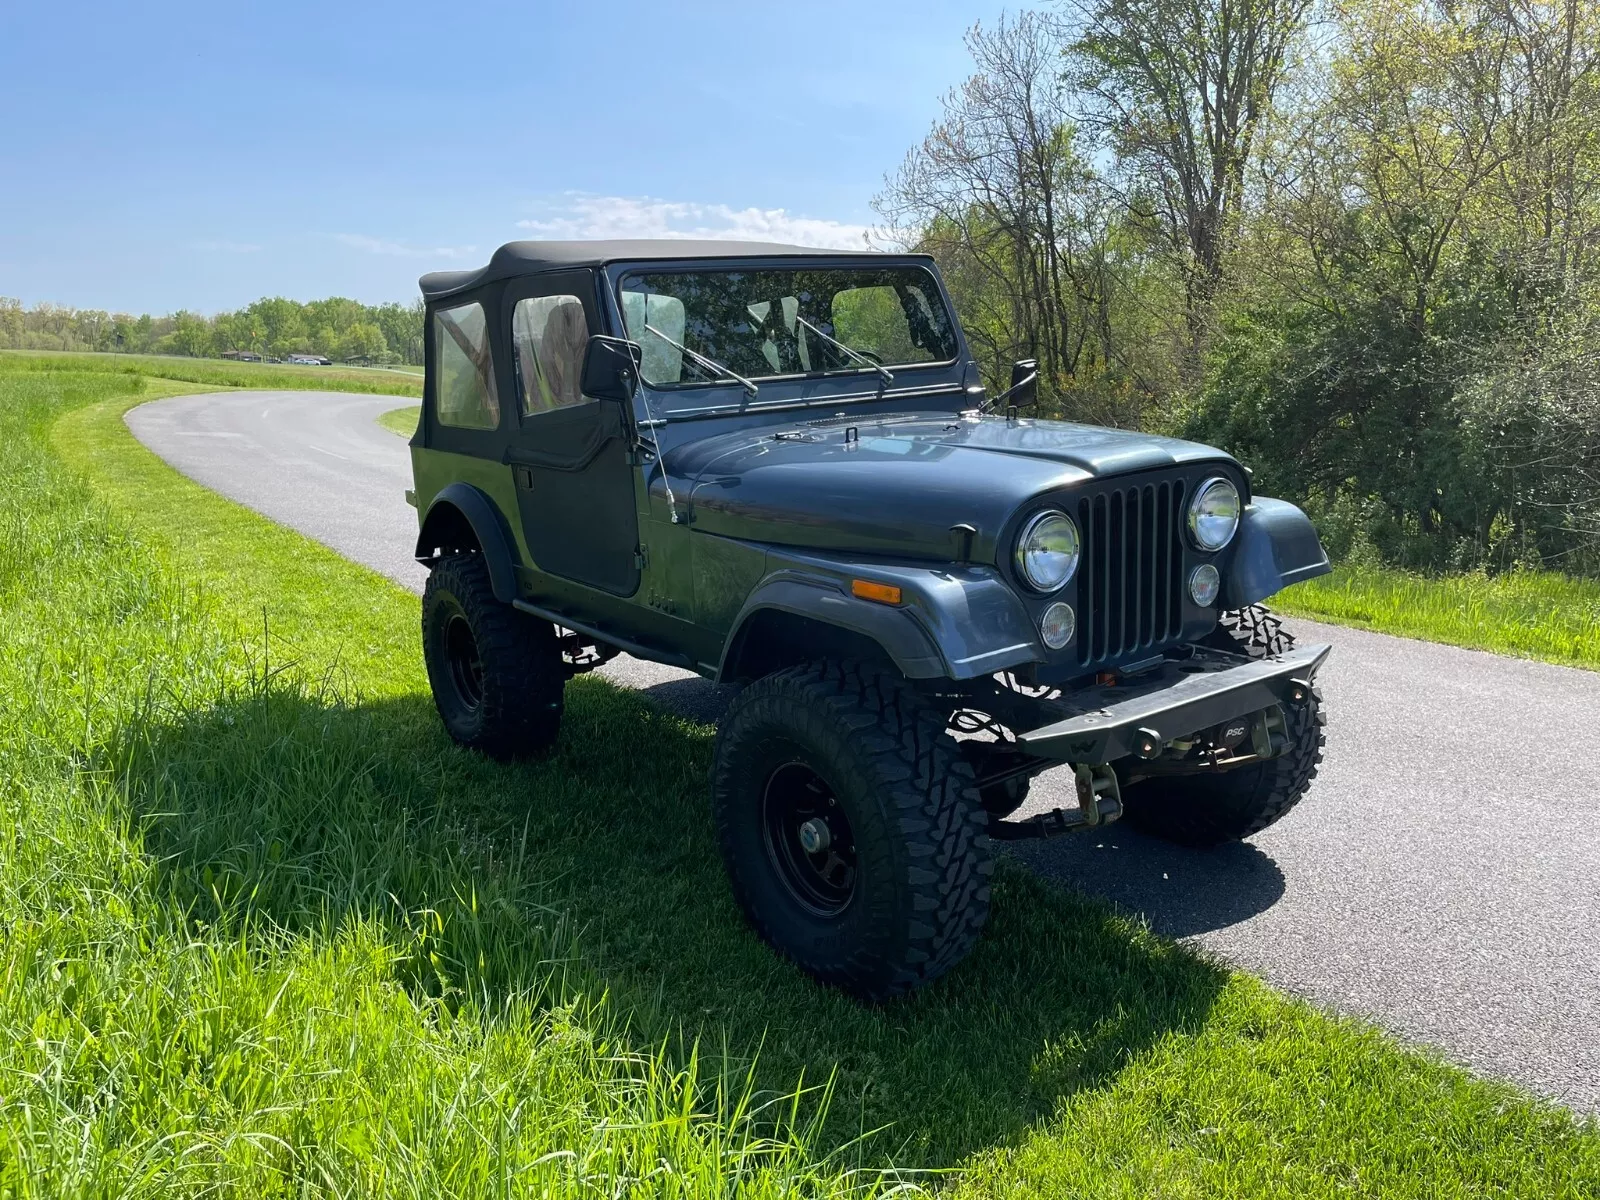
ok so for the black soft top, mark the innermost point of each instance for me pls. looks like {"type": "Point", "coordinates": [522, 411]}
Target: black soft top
{"type": "Point", "coordinates": [527, 258]}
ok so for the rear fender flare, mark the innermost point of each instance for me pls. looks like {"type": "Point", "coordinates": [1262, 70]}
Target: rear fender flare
{"type": "Point", "coordinates": [461, 503]}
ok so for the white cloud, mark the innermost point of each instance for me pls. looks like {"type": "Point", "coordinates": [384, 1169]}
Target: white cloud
{"type": "Point", "coordinates": [582, 215]}
{"type": "Point", "coordinates": [228, 247]}
{"type": "Point", "coordinates": [372, 245]}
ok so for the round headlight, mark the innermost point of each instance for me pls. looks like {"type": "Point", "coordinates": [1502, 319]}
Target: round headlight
{"type": "Point", "coordinates": [1047, 551]}
{"type": "Point", "coordinates": [1214, 514]}
{"type": "Point", "coordinates": [1058, 625]}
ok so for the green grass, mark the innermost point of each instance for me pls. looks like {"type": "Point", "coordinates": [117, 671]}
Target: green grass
{"type": "Point", "coordinates": [1532, 614]}
{"type": "Point", "coordinates": [402, 420]}
{"type": "Point", "coordinates": [218, 372]}
{"type": "Point", "coordinates": [269, 932]}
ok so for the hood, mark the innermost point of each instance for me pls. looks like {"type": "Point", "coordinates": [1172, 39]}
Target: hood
{"type": "Point", "coordinates": [897, 485]}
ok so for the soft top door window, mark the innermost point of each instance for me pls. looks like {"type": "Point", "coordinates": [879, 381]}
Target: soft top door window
{"type": "Point", "coordinates": [464, 390]}
{"type": "Point", "coordinates": [550, 335]}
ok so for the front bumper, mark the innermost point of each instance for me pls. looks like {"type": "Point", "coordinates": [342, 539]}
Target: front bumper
{"type": "Point", "coordinates": [1183, 697]}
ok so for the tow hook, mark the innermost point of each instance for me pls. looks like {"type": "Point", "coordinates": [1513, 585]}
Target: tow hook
{"type": "Point", "coordinates": [1099, 796]}
{"type": "Point", "coordinates": [1099, 803]}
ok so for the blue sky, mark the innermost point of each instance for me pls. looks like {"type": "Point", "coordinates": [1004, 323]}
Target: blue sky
{"type": "Point", "coordinates": [202, 155]}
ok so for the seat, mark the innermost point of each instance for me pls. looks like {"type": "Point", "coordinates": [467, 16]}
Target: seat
{"type": "Point", "coordinates": [560, 353]}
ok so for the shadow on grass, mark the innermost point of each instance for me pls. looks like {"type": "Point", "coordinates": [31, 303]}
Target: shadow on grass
{"type": "Point", "coordinates": [306, 813]}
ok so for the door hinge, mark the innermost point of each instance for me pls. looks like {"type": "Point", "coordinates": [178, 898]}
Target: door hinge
{"type": "Point", "coordinates": [641, 558]}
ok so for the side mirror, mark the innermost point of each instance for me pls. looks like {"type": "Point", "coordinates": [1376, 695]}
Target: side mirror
{"type": "Point", "coordinates": [611, 368]}
{"type": "Point", "coordinates": [1024, 389]}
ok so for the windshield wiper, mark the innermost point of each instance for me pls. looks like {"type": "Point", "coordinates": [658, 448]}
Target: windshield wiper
{"type": "Point", "coordinates": [709, 364]}
{"type": "Point", "coordinates": [855, 354]}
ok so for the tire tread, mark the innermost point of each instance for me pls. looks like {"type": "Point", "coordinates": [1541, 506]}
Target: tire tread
{"type": "Point", "coordinates": [926, 786]}
{"type": "Point", "coordinates": [524, 678]}
{"type": "Point", "coordinates": [1262, 795]}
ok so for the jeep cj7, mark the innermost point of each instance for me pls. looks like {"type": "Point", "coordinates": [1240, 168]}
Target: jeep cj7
{"type": "Point", "coordinates": [778, 468]}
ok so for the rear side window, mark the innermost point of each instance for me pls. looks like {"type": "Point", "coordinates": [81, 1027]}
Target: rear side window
{"type": "Point", "coordinates": [464, 393]}
{"type": "Point", "coordinates": [551, 334]}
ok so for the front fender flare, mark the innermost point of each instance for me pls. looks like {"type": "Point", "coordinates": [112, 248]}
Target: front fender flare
{"type": "Point", "coordinates": [488, 527]}
{"type": "Point", "coordinates": [954, 622]}
{"type": "Point", "coordinates": [1276, 546]}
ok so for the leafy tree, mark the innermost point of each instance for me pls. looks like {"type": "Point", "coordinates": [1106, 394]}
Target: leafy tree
{"type": "Point", "coordinates": [1362, 256]}
{"type": "Point", "coordinates": [191, 335]}
{"type": "Point", "coordinates": [363, 340]}
{"type": "Point", "coordinates": [1026, 233]}
{"type": "Point", "coordinates": [1179, 90]}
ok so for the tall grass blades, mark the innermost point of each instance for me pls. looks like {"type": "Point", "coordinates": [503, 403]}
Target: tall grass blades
{"type": "Point", "coordinates": [1533, 614]}
{"type": "Point", "coordinates": [217, 373]}
{"type": "Point", "coordinates": [246, 954]}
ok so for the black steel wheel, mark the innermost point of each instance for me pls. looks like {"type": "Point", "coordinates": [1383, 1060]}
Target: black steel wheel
{"type": "Point", "coordinates": [464, 665]}
{"type": "Point", "coordinates": [808, 839]}
{"type": "Point", "coordinates": [497, 675]}
{"type": "Point", "coordinates": [1210, 808]}
{"type": "Point", "coordinates": [850, 827]}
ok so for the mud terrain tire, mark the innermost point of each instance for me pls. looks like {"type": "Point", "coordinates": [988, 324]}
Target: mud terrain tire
{"type": "Point", "coordinates": [855, 755]}
{"type": "Point", "coordinates": [496, 673]}
{"type": "Point", "coordinates": [1207, 810]}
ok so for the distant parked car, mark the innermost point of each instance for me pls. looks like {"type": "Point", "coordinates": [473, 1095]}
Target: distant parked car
{"type": "Point", "coordinates": [241, 355]}
{"type": "Point", "coordinates": [310, 360]}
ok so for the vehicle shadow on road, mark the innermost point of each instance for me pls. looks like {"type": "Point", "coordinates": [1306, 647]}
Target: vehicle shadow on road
{"type": "Point", "coordinates": [306, 813]}
{"type": "Point", "coordinates": [1178, 890]}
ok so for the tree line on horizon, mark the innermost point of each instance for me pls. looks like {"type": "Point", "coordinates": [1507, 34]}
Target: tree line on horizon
{"type": "Point", "coordinates": [1354, 242]}
{"type": "Point", "coordinates": [274, 327]}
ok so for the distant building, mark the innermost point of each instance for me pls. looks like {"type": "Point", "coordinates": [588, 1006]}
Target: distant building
{"type": "Point", "coordinates": [242, 355]}
{"type": "Point", "coordinates": [310, 360]}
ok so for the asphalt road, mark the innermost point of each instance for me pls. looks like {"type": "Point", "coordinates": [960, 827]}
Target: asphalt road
{"type": "Point", "coordinates": [1442, 877]}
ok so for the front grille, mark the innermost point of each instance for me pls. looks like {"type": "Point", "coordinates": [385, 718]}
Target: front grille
{"type": "Point", "coordinates": [1130, 575]}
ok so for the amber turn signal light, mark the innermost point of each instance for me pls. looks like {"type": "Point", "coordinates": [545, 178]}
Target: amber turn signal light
{"type": "Point", "coordinates": [883, 593]}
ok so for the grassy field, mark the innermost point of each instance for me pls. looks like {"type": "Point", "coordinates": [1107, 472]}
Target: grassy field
{"type": "Point", "coordinates": [269, 932]}
{"type": "Point", "coordinates": [219, 372]}
{"type": "Point", "coordinates": [1525, 613]}
{"type": "Point", "coordinates": [402, 420]}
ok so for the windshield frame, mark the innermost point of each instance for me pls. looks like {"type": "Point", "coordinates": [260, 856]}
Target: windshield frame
{"type": "Point", "coordinates": [670, 398]}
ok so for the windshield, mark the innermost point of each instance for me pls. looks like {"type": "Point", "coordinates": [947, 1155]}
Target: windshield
{"type": "Point", "coordinates": [806, 321]}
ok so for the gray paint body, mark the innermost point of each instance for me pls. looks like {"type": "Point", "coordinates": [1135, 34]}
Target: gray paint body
{"type": "Point", "coordinates": [774, 504]}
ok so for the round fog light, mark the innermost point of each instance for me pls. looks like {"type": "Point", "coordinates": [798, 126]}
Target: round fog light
{"type": "Point", "coordinates": [1204, 585]}
{"type": "Point", "coordinates": [1058, 625]}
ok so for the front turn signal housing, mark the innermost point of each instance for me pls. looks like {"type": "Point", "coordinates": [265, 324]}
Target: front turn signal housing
{"type": "Point", "coordinates": [882, 593]}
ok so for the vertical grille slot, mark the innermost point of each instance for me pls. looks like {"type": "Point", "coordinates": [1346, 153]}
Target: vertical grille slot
{"type": "Point", "coordinates": [1174, 548]}
{"type": "Point", "coordinates": [1130, 570]}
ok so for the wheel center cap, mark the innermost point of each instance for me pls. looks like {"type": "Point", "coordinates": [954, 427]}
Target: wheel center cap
{"type": "Point", "coordinates": [814, 836]}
